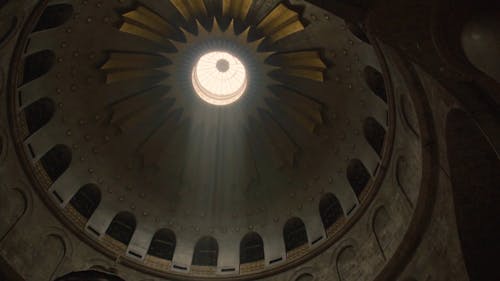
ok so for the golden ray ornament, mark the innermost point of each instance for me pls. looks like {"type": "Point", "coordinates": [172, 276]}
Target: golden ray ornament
{"type": "Point", "coordinates": [169, 107]}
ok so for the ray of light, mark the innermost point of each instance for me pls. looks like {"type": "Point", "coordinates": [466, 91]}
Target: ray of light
{"type": "Point", "coordinates": [137, 103]}
{"type": "Point", "coordinates": [309, 117]}
{"type": "Point", "coordinates": [160, 138]}
{"type": "Point", "coordinates": [283, 146]}
{"type": "Point", "coordinates": [147, 118]}
{"type": "Point", "coordinates": [157, 105]}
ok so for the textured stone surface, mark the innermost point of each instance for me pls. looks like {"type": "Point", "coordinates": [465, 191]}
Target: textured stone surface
{"type": "Point", "coordinates": [409, 231]}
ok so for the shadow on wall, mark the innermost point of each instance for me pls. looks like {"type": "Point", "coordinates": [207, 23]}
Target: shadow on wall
{"type": "Point", "coordinates": [89, 276]}
{"type": "Point", "coordinates": [475, 175]}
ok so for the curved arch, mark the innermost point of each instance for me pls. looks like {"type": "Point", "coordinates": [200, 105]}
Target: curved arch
{"type": "Point", "coordinates": [382, 225]}
{"type": "Point", "coordinates": [56, 161]}
{"type": "Point", "coordinates": [294, 234]}
{"type": "Point", "coordinates": [86, 200]}
{"type": "Point", "coordinates": [331, 212]}
{"type": "Point", "coordinates": [346, 264]}
{"type": "Point", "coordinates": [358, 176]}
{"type": "Point", "coordinates": [39, 113]}
{"type": "Point", "coordinates": [55, 245]}
{"type": "Point", "coordinates": [251, 248]}
{"type": "Point", "coordinates": [206, 252]}
{"type": "Point", "coordinates": [375, 134]}
{"type": "Point", "coordinates": [122, 227]}
{"type": "Point", "coordinates": [38, 64]}
{"type": "Point", "coordinates": [163, 244]}
{"type": "Point", "coordinates": [54, 16]}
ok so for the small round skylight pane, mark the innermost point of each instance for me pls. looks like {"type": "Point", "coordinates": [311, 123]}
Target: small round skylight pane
{"type": "Point", "coordinates": [219, 78]}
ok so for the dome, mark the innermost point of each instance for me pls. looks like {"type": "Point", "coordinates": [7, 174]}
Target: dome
{"type": "Point", "coordinates": [202, 131]}
{"type": "Point", "coordinates": [212, 140]}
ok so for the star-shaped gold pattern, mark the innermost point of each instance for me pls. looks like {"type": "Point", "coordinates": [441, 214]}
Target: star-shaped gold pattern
{"type": "Point", "coordinates": [168, 111]}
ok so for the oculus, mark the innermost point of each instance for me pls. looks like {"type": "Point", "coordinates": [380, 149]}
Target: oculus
{"type": "Point", "coordinates": [219, 78]}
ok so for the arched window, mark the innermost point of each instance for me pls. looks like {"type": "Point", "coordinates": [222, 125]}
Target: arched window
{"type": "Point", "coordinates": [206, 252]}
{"type": "Point", "coordinates": [163, 245]}
{"type": "Point", "coordinates": [251, 248]}
{"type": "Point", "coordinates": [294, 234]}
{"type": "Point", "coordinates": [39, 113]}
{"type": "Point", "coordinates": [38, 64]}
{"type": "Point", "coordinates": [86, 200]}
{"type": "Point", "coordinates": [56, 161]}
{"type": "Point", "coordinates": [330, 210]}
{"type": "Point", "coordinates": [122, 227]}
{"type": "Point", "coordinates": [375, 82]}
{"type": "Point", "coordinates": [358, 176]}
{"type": "Point", "coordinates": [374, 134]}
{"type": "Point", "coordinates": [54, 16]}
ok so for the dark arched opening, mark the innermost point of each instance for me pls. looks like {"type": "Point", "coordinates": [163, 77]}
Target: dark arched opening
{"type": "Point", "coordinates": [375, 134]}
{"type": "Point", "coordinates": [163, 245]}
{"type": "Point", "coordinates": [54, 16]}
{"type": "Point", "coordinates": [39, 113]}
{"type": "Point", "coordinates": [358, 176]}
{"type": "Point", "coordinates": [206, 252]}
{"type": "Point", "coordinates": [56, 161]}
{"type": "Point", "coordinates": [251, 248]}
{"type": "Point", "coordinates": [37, 64]}
{"type": "Point", "coordinates": [122, 227]}
{"type": "Point", "coordinates": [294, 234]}
{"type": "Point", "coordinates": [86, 200]}
{"type": "Point", "coordinates": [375, 82]}
{"type": "Point", "coordinates": [330, 210]}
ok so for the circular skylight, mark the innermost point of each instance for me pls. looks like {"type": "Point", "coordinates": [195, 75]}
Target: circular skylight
{"type": "Point", "coordinates": [219, 78]}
